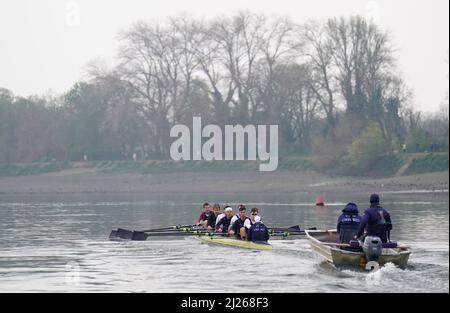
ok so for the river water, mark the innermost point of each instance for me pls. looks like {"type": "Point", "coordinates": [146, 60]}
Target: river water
{"type": "Point", "coordinates": [59, 243]}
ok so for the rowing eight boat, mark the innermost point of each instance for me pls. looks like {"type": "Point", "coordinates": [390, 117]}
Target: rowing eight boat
{"type": "Point", "coordinates": [236, 243]}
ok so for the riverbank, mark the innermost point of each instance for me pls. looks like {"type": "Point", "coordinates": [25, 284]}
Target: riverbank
{"type": "Point", "coordinates": [89, 180]}
{"type": "Point", "coordinates": [398, 165]}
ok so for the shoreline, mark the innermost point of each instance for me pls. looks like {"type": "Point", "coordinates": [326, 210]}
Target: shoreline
{"type": "Point", "coordinates": [279, 182]}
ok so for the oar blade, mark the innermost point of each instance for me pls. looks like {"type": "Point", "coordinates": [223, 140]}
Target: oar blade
{"type": "Point", "coordinates": [124, 233]}
{"type": "Point", "coordinates": [113, 235]}
{"type": "Point", "coordinates": [139, 236]}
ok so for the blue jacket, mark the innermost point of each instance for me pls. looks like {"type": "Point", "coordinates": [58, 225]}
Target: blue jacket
{"type": "Point", "coordinates": [348, 223]}
{"type": "Point", "coordinates": [258, 233]}
{"type": "Point", "coordinates": [378, 223]}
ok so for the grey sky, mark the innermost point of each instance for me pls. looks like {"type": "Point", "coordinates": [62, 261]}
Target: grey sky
{"type": "Point", "coordinates": [45, 45]}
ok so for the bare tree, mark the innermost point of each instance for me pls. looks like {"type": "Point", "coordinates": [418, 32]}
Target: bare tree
{"type": "Point", "coordinates": [300, 105]}
{"type": "Point", "coordinates": [211, 64]}
{"type": "Point", "coordinates": [363, 57]}
{"type": "Point", "coordinates": [278, 48]}
{"type": "Point", "coordinates": [319, 55]}
{"type": "Point", "coordinates": [150, 64]}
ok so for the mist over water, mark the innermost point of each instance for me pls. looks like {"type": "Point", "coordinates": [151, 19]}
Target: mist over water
{"type": "Point", "coordinates": [55, 242]}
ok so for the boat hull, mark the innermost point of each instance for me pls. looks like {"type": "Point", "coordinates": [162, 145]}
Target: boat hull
{"type": "Point", "coordinates": [236, 243]}
{"type": "Point", "coordinates": [342, 258]}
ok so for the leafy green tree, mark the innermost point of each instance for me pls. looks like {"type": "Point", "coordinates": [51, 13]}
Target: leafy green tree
{"type": "Point", "coordinates": [419, 140]}
{"type": "Point", "coordinates": [367, 148]}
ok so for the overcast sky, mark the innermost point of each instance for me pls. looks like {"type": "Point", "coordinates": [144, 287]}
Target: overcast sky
{"type": "Point", "coordinates": [46, 44]}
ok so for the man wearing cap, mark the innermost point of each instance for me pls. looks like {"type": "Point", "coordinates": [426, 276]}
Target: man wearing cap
{"type": "Point", "coordinates": [376, 221]}
{"type": "Point", "coordinates": [224, 224]}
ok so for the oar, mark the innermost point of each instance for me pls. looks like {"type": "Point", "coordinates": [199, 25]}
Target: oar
{"type": "Point", "coordinates": [113, 234]}
{"type": "Point", "coordinates": [142, 236]}
{"type": "Point", "coordinates": [285, 233]}
{"type": "Point", "coordinates": [128, 234]}
{"type": "Point", "coordinates": [295, 228]}
{"type": "Point", "coordinates": [176, 227]}
{"type": "Point", "coordinates": [122, 233]}
{"type": "Point", "coordinates": [292, 228]}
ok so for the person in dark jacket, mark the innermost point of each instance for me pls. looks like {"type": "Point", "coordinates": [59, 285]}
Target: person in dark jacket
{"type": "Point", "coordinates": [376, 221]}
{"type": "Point", "coordinates": [223, 226]}
{"type": "Point", "coordinates": [348, 223]}
{"type": "Point", "coordinates": [258, 232]}
{"type": "Point", "coordinates": [211, 223]}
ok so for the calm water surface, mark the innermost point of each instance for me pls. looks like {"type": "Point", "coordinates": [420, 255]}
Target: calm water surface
{"type": "Point", "coordinates": [59, 243]}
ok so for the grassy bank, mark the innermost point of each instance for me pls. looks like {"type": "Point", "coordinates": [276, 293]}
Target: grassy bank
{"type": "Point", "coordinates": [428, 163]}
{"type": "Point", "coordinates": [384, 167]}
{"type": "Point", "coordinates": [148, 167]}
{"type": "Point", "coordinates": [32, 168]}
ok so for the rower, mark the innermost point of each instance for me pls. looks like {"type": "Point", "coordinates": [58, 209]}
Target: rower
{"type": "Point", "coordinates": [377, 220]}
{"type": "Point", "coordinates": [253, 214]}
{"type": "Point", "coordinates": [236, 216]}
{"type": "Point", "coordinates": [211, 222]}
{"type": "Point", "coordinates": [237, 223]}
{"type": "Point", "coordinates": [258, 232]}
{"type": "Point", "coordinates": [348, 223]}
{"type": "Point", "coordinates": [203, 218]}
{"type": "Point", "coordinates": [224, 223]}
{"type": "Point", "coordinates": [221, 215]}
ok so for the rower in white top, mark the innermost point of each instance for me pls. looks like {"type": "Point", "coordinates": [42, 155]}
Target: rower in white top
{"type": "Point", "coordinates": [237, 227]}
{"type": "Point", "coordinates": [254, 217]}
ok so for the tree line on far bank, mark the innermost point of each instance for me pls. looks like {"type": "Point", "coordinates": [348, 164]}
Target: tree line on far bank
{"type": "Point", "coordinates": [332, 87]}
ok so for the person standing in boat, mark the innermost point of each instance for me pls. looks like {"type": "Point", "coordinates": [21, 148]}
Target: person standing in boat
{"type": "Point", "coordinates": [211, 222]}
{"type": "Point", "coordinates": [376, 221]}
{"type": "Point", "coordinates": [203, 218]}
{"type": "Point", "coordinates": [237, 223]}
{"type": "Point", "coordinates": [258, 232]}
{"type": "Point", "coordinates": [348, 223]}
{"type": "Point", "coordinates": [223, 225]}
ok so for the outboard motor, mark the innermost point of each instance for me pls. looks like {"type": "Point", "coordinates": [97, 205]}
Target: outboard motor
{"type": "Point", "coordinates": [373, 248]}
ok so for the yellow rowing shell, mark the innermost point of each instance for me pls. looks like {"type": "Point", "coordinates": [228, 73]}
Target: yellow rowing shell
{"type": "Point", "coordinates": [236, 243]}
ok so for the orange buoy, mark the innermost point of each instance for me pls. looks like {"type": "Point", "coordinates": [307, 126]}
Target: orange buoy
{"type": "Point", "coordinates": [319, 201]}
